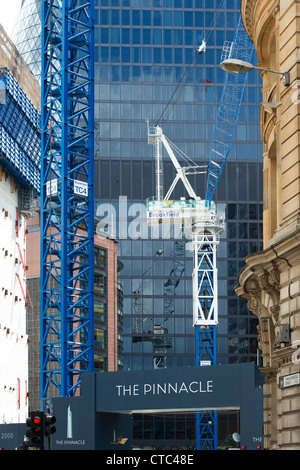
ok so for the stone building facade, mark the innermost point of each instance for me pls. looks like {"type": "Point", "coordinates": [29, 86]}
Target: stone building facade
{"type": "Point", "coordinates": [270, 280]}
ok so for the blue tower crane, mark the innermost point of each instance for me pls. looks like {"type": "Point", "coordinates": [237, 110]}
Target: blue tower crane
{"type": "Point", "coordinates": [67, 197]}
{"type": "Point", "coordinates": [206, 337]}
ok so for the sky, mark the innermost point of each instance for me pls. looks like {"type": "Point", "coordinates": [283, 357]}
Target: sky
{"type": "Point", "coordinates": [8, 14]}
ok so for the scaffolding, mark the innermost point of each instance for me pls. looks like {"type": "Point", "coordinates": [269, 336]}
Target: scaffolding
{"type": "Point", "coordinates": [20, 136]}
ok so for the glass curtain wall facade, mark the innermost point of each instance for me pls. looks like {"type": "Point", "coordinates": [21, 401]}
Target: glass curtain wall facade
{"type": "Point", "coordinates": [146, 73]}
{"type": "Point", "coordinates": [144, 49]}
{"type": "Point", "coordinates": [27, 34]}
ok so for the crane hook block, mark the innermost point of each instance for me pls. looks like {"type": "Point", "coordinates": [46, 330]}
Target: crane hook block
{"type": "Point", "coordinates": [201, 49]}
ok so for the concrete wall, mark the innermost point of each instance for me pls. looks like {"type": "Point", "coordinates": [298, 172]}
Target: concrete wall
{"type": "Point", "coordinates": [13, 337]}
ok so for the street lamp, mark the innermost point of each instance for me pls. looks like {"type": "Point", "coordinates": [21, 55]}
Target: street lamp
{"type": "Point", "coordinates": [236, 66]}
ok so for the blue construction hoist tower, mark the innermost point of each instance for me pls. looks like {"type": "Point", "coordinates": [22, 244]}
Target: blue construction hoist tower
{"type": "Point", "coordinates": [67, 196]}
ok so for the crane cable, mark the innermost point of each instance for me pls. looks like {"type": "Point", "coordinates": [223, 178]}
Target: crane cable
{"type": "Point", "coordinates": [174, 92]}
{"type": "Point", "coordinates": [205, 40]}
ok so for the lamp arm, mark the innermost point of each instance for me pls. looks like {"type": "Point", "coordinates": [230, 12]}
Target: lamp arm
{"type": "Point", "coordinates": [286, 75]}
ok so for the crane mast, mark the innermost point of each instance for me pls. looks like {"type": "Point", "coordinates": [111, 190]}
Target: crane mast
{"type": "Point", "coordinates": [67, 197]}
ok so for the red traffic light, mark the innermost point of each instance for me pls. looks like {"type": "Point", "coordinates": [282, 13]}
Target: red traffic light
{"type": "Point", "coordinates": [36, 428]}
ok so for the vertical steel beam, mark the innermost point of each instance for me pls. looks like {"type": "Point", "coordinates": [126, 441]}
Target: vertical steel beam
{"type": "Point", "coordinates": [205, 299]}
{"type": "Point", "coordinates": [67, 197]}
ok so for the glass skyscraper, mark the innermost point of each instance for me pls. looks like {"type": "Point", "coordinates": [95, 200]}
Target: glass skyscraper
{"type": "Point", "coordinates": [144, 49]}
{"type": "Point", "coordinates": [146, 72]}
{"type": "Point", "coordinates": [27, 34]}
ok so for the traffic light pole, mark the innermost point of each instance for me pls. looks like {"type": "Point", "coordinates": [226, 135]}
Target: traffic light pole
{"type": "Point", "coordinates": [49, 443]}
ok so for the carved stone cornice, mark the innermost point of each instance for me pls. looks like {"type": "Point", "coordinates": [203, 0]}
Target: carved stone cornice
{"type": "Point", "coordinates": [274, 277]}
{"type": "Point", "coordinates": [258, 284]}
{"type": "Point", "coordinates": [253, 295]}
{"type": "Point", "coordinates": [269, 282]}
{"type": "Point", "coordinates": [270, 374]}
{"type": "Point", "coordinates": [256, 15]}
{"type": "Point", "coordinates": [247, 10]}
{"type": "Point", "coordinates": [284, 357]}
{"type": "Point", "coordinates": [259, 337]}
